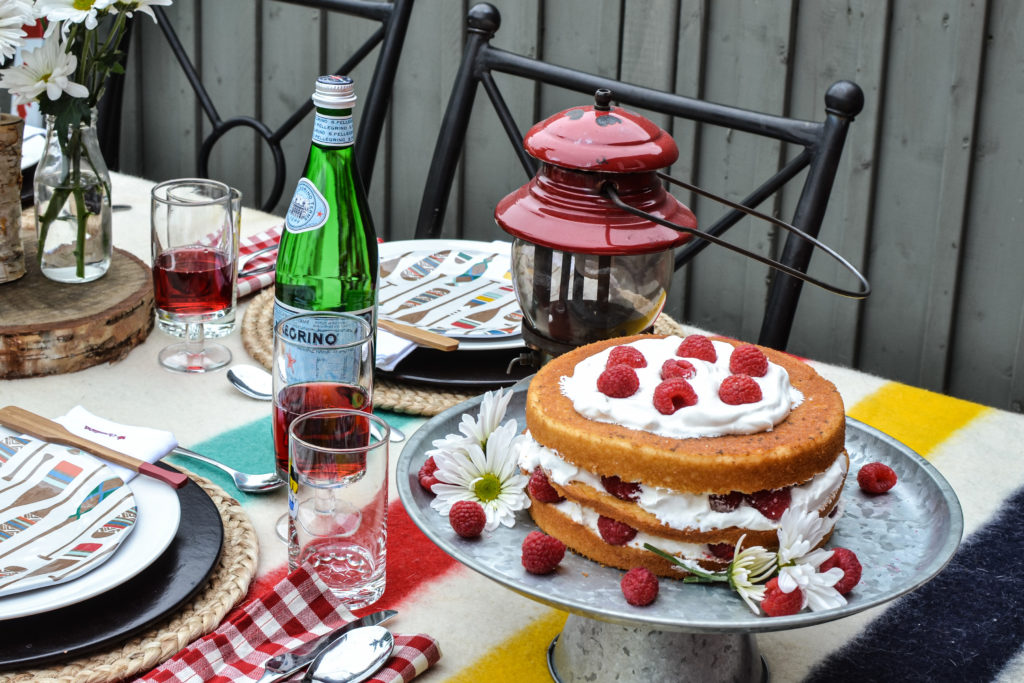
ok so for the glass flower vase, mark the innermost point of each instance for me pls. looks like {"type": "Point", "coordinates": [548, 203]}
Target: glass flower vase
{"type": "Point", "coordinates": [72, 200]}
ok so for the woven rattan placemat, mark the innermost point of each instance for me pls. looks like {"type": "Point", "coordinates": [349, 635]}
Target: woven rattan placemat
{"type": "Point", "coordinates": [258, 339]}
{"type": "Point", "coordinates": [227, 585]}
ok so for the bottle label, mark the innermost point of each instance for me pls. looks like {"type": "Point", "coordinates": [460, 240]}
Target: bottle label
{"type": "Point", "coordinates": [314, 352]}
{"type": "Point", "coordinates": [333, 131]}
{"type": "Point", "coordinates": [308, 210]}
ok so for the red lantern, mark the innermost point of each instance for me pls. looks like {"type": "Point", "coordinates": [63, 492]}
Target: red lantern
{"type": "Point", "coordinates": [583, 268]}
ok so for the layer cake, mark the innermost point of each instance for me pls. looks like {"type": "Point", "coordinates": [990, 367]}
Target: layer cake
{"type": "Point", "coordinates": [691, 482]}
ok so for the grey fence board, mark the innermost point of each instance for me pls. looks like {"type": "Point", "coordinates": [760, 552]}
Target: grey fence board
{"type": "Point", "coordinates": [926, 200]}
{"type": "Point", "coordinates": [747, 51]}
{"type": "Point", "coordinates": [987, 346]}
{"type": "Point", "coordinates": [833, 42]}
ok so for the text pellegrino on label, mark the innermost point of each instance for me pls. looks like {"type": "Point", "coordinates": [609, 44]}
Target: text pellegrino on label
{"type": "Point", "coordinates": [308, 210]}
{"type": "Point", "coordinates": [333, 131]}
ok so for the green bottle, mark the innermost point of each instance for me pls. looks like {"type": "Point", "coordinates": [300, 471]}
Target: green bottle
{"type": "Point", "coordinates": [327, 259]}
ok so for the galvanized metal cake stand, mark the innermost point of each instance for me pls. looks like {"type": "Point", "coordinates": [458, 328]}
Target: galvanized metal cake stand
{"type": "Point", "coordinates": [695, 631]}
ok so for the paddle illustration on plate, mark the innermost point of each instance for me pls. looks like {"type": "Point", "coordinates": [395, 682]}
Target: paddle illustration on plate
{"type": "Point", "coordinates": [412, 273]}
{"type": "Point", "coordinates": [68, 513]}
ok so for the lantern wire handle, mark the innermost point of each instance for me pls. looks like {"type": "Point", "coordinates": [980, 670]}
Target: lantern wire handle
{"type": "Point", "coordinates": [862, 293]}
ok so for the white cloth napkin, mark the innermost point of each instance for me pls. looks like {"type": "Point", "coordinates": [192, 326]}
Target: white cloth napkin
{"type": "Point", "coordinates": [143, 443]}
{"type": "Point", "coordinates": [391, 350]}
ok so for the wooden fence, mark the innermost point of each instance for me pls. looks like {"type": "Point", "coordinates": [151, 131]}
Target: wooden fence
{"type": "Point", "coordinates": [927, 202]}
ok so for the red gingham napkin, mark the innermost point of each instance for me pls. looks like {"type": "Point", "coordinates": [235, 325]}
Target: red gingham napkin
{"type": "Point", "coordinates": [297, 609]}
{"type": "Point", "coordinates": [249, 245]}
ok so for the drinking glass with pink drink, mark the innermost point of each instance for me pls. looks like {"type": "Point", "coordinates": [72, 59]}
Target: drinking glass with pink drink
{"type": "Point", "coordinates": [193, 238]}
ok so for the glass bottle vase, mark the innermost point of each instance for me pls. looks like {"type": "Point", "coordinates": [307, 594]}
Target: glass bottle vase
{"type": "Point", "coordinates": [72, 200]}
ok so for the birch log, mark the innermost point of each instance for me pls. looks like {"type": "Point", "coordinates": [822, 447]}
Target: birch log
{"type": "Point", "coordinates": [12, 256]}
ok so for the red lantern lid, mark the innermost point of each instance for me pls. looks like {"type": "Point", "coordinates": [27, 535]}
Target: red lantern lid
{"type": "Point", "coordinates": [584, 149]}
{"type": "Point", "coordinates": [601, 138]}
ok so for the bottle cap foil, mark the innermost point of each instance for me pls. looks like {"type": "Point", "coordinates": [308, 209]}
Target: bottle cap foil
{"type": "Point", "coordinates": [334, 92]}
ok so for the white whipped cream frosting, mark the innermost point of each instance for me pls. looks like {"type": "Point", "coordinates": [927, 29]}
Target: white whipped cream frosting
{"type": "Point", "coordinates": [708, 417]}
{"type": "Point", "coordinates": [588, 518]}
{"type": "Point", "coordinates": [686, 510]}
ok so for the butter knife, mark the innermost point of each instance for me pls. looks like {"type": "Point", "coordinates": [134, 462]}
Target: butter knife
{"type": "Point", "coordinates": [286, 664]}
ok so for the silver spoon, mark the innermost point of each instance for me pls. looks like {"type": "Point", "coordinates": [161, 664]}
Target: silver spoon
{"type": "Point", "coordinates": [247, 483]}
{"type": "Point", "coordinates": [257, 383]}
{"type": "Point", "coordinates": [354, 657]}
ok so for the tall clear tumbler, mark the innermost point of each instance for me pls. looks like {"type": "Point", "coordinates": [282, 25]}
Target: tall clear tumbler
{"type": "Point", "coordinates": [338, 501]}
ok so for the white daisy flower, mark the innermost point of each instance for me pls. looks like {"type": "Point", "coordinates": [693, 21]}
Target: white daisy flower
{"type": "Point", "coordinates": [818, 588]}
{"type": "Point", "coordinates": [491, 478]}
{"type": "Point", "coordinates": [749, 567]}
{"type": "Point", "coordinates": [476, 430]}
{"type": "Point", "coordinates": [72, 12]}
{"type": "Point", "coordinates": [47, 68]}
{"type": "Point", "coordinates": [799, 532]}
{"type": "Point", "coordinates": [139, 5]}
{"type": "Point", "coordinates": [13, 15]}
{"type": "Point", "coordinates": [492, 412]}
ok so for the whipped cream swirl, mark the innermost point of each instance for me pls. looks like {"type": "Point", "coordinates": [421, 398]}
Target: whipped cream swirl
{"type": "Point", "coordinates": [709, 417]}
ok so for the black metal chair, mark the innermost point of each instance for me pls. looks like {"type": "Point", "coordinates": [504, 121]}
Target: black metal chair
{"type": "Point", "coordinates": [390, 35]}
{"type": "Point", "coordinates": [821, 143]}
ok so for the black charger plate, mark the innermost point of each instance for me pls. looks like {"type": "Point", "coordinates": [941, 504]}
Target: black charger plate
{"type": "Point", "coordinates": [156, 592]}
{"type": "Point", "coordinates": [475, 369]}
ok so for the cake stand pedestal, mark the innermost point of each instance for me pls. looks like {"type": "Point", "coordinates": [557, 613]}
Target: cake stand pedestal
{"type": "Point", "coordinates": [592, 650]}
{"type": "Point", "coordinates": [698, 632]}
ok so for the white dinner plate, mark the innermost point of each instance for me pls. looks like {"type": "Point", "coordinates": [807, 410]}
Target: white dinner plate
{"type": "Point", "coordinates": [158, 514]}
{"type": "Point", "coordinates": [459, 288]}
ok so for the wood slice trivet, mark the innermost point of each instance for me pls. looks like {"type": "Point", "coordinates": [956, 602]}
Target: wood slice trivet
{"type": "Point", "coordinates": [49, 327]}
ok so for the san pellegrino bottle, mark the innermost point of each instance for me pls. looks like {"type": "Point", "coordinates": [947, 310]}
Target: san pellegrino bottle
{"type": "Point", "coordinates": [327, 259]}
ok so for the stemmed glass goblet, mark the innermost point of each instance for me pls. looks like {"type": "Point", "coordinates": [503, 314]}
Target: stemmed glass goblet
{"type": "Point", "coordinates": [193, 238]}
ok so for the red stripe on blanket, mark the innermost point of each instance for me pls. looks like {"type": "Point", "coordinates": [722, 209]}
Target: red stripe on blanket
{"type": "Point", "coordinates": [413, 559]}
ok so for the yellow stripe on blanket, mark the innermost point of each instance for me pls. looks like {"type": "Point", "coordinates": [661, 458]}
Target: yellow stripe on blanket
{"type": "Point", "coordinates": [919, 418]}
{"type": "Point", "coordinates": [520, 659]}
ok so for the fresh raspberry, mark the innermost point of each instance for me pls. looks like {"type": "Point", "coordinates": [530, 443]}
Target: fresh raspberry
{"type": "Point", "coordinates": [467, 518]}
{"type": "Point", "coordinates": [779, 604]}
{"type": "Point", "coordinates": [673, 394]}
{"type": "Point", "coordinates": [771, 503]}
{"type": "Point", "coordinates": [846, 560]}
{"type": "Point", "coordinates": [541, 489]}
{"type": "Point", "coordinates": [618, 381]}
{"type": "Point", "coordinates": [623, 490]}
{"type": "Point", "coordinates": [738, 389]}
{"type": "Point", "coordinates": [747, 359]}
{"type": "Point", "coordinates": [542, 553]}
{"type": "Point", "coordinates": [677, 367]}
{"type": "Point", "coordinates": [876, 477]}
{"type": "Point", "coordinates": [626, 355]}
{"type": "Point", "coordinates": [698, 346]}
{"type": "Point", "coordinates": [725, 502]}
{"type": "Point", "coordinates": [614, 531]}
{"type": "Point", "coordinates": [722, 551]}
{"type": "Point", "coordinates": [426, 475]}
{"type": "Point", "coordinates": [639, 586]}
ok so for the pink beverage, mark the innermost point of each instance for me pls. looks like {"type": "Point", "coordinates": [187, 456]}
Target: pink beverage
{"type": "Point", "coordinates": [192, 281]}
{"type": "Point", "coordinates": [297, 399]}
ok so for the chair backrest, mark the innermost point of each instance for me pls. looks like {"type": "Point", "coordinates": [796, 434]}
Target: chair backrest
{"type": "Point", "coordinates": [390, 35]}
{"type": "Point", "coordinates": [821, 143]}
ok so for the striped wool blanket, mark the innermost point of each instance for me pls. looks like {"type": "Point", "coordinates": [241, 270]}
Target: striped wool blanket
{"type": "Point", "coordinates": [967, 624]}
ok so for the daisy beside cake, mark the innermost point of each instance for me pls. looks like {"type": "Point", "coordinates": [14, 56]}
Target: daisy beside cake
{"type": "Point", "coordinates": [687, 445]}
